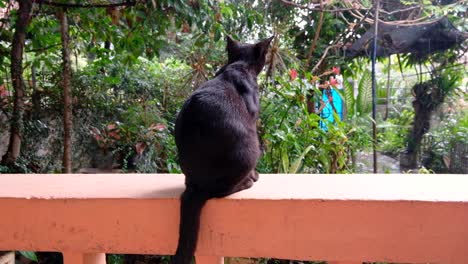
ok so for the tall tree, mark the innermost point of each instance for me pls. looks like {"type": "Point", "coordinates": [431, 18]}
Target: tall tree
{"type": "Point", "coordinates": [66, 85]}
{"type": "Point", "coordinates": [22, 21]}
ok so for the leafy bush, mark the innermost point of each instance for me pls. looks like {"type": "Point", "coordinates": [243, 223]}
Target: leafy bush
{"type": "Point", "coordinates": [393, 133]}
{"type": "Point", "coordinates": [293, 141]}
{"type": "Point", "coordinates": [445, 149]}
{"type": "Point", "coordinates": [123, 117]}
{"type": "Point", "coordinates": [137, 106]}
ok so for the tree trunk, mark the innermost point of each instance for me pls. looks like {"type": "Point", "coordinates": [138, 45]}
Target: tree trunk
{"type": "Point", "coordinates": [316, 37]}
{"type": "Point", "coordinates": [14, 146]}
{"type": "Point", "coordinates": [428, 97]}
{"type": "Point", "coordinates": [66, 84]}
{"type": "Point", "coordinates": [36, 95]}
{"type": "Point", "coordinates": [387, 99]}
{"type": "Point", "coordinates": [421, 125]}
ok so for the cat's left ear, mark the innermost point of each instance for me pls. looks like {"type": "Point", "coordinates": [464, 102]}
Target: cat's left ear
{"type": "Point", "coordinates": [232, 48]}
{"type": "Point", "coordinates": [262, 46]}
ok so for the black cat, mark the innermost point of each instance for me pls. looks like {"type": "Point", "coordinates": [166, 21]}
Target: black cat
{"type": "Point", "coordinates": [216, 138]}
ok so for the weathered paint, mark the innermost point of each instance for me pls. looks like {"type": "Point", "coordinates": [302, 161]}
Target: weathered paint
{"type": "Point", "coordinates": [83, 258]}
{"type": "Point", "coordinates": [209, 260]}
{"type": "Point", "coordinates": [392, 218]}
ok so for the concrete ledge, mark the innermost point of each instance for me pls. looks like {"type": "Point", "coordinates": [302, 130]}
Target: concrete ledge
{"type": "Point", "coordinates": [392, 218]}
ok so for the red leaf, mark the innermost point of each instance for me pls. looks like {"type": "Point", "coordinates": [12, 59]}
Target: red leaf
{"type": "Point", "coordinates": [140, 147]}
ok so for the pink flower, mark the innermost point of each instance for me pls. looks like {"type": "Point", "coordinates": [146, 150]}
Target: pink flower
{"type": "Point", "coordinates": [158, 127]}
{"type": "Point", "coordinates": [292, 74]}
{"type": "Point", "coordinates": [111, 126]}
{"type": "Point", "coordinates": [97, 138]}
{"type": "Point", "coordinates": [114, 134]}
{"type": "Point", "coordinates": [3, 91]}
{"type": "Point", "coordinates": [336, 70]}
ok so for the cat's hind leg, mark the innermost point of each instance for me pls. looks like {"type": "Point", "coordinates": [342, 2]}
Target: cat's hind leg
{"type": "Point", "coordinates": [246, 183]}
{"type": "Point", "coordinates": [254, 175]}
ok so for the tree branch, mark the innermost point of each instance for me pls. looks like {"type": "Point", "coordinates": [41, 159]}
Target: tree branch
{"type": "Point", "coordinates": [317, 34]}
{"type": "Point", "coordinates": [325, 52]}
{"type": "Point", "coordinates": [321, 9]}
{"type": "Point", "coordinates": [357, 9]}
{"type": "Point", "coordinates": [52, 3]}
{"type": "Point", "coordinates": [399, 10]}
{"type": "Point", "coordinates": [43, 48]}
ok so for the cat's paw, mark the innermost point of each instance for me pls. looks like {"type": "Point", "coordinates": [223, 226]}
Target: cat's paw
{"type": "Point", "coordinates": [254, 175]}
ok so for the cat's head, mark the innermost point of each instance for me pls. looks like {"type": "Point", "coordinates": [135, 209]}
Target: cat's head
{"type": "Point", "coordinates": [253, 54]}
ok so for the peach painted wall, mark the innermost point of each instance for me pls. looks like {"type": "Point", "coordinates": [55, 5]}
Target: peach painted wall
{"type": "Point", "coordinates": [392, 218]}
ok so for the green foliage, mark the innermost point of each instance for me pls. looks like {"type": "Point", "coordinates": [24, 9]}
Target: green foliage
{"type": "Point", "coordinates": [139, 104]}
{"type": "Point", "coordinates": [133, 66]}
{"type": "Point", "coordinates": [348, 96]}
{"type": "Point", "coordinates": [115, 259]}
{"type": "Point", "coordinates": [292, 138]}
{"type": "Point", "coordinates": [393, 133]}
{"type": "Point", "coordinates": [4, 169]}
{"type": "Point", "coordinates": [295, 166]}
{"type": "Point", "coordinates": [361, 105]}
{"type": "Point", "coordinates": [441, 153]}
{"type": "Point", "coordinates": [31, 255]}
{"type": "Point", "coordinates": [364, 97]}
{"type": "Point", "coordinates": [20, 166]}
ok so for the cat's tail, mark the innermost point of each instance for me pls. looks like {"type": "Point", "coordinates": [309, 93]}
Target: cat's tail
{"type": "Point", "coordinates": [191, 204]}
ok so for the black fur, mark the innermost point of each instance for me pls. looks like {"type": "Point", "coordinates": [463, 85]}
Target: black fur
{"type": "Point", "coordinates": [216, 138]}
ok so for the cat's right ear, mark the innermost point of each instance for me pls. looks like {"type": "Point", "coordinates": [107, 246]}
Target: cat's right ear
{"type": "Point", "coordinates": [262, 47]}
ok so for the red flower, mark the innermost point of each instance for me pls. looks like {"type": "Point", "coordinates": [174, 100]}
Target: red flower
{"type": "Point", "coordinates": [333, 82]}
{"type": "Point", "coordinates": [3, 91]}
{"type": "Point", "coordinates": [114, 134]}
{"type": "Point", "coordinates": [336, 70]}
{"type": "Point", "coordinates": [96, 134]}
{"type": "Point", "coordinates": [292, 74]}
{"type": "Point", "coordinates": [111, 127]}
{"type": "Point", "coordinates": [158, 127]}
{"type": "Point", "coordinates": [98, 138]}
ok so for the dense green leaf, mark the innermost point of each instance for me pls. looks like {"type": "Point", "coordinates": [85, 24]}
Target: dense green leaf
{"type": "Point", "coordinates": [29, 255]}
{"type": "Point", "coordinates": [295, 166]}
{"type": "Point", "coordinates": [364, 97]}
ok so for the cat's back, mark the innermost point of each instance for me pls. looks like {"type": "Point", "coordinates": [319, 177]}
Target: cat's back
{"type": "Point", "coordinates": [217, 98]}
{"type": "Point", "coordinates": [214, 126]}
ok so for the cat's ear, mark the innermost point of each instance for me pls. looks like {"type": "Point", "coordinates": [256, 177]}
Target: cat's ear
{"type": "Point", "coordinates": [261, 48]}
{"type": "Point", "coordinates": [232, 48]}
{"type": "Point", "coordinates": [231, 43]}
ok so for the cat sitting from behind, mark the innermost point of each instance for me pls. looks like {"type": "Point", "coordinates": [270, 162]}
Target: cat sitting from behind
{"type": "Point", "coordinates": [216, 138]}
